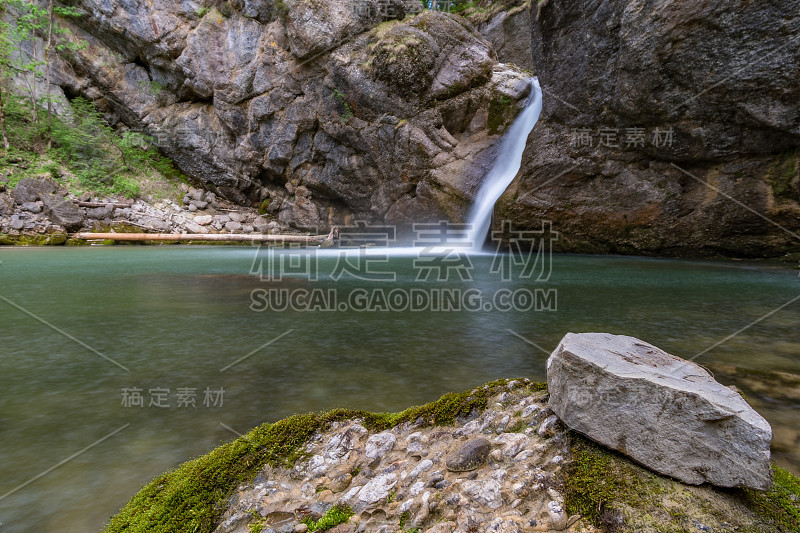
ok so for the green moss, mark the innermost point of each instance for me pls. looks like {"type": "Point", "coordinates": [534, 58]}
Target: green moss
{"type": "Point", "coordinates": [257, 526]}
{"type": "Point", "coordinates": [335, 515]}
{"type": "Point", "coordinates": [38, 239]}
{"type": "Point", "coordinates": [599, 482]}
{"type": "Point", "coordinates": [781, 505]}
{"type": "Point", "coordinates": [499, 113]}
{"type": "Point", "coordinates": [282, 9]}
{"type": "Point", "coordinates": [613, 493]}
{"type": "Point", "coordinates": [262, 209]}
{"type": "Point", "coordinates": [193, 496]}
{"type": "Point", "coordinates": [518, 427]}
{"type": "Point", "coordinates": [346, 112]}
{"type": "Point", "coordinates": [782, 173]}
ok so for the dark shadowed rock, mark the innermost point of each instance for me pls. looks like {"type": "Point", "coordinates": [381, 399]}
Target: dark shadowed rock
{"type": "Point", "coordinates": [667, 413]}
{"type": "Point", "coordinates": [666, 128]}
{"type": "Point", "coordinates": [469, 456]}
{"type": "Point", "coordinates": [62, 211]}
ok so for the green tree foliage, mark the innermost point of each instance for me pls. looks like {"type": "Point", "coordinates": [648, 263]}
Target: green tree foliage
{"type": "Point", "coordinates": [24, 23]}
{"type": "Point", "coordinates": [100, 157]}
{"type": "Point", "coordinates": [6, 48]}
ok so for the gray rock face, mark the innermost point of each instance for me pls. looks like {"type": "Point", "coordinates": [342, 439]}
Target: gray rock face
{"type": "Point", "coordinates": [633, 88]}
{"type": "Point", "coordinates": [369, 110]}
{"type": "Point", "coordinates": [662, 411]}
{"type": "Point", "coordinates": [32, 189]}
{"type": "Point", "coordinates": [507, 25]}
{"type": "Point", "coordinates": [469, 456]}
{"type": "Point", "coordinates": [62, 211]}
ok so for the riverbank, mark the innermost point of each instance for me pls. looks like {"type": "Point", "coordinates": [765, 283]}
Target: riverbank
{"type": "Point", "coordinates": [493, 458]}
{"type": "Point", "coordinates": [40, 211]}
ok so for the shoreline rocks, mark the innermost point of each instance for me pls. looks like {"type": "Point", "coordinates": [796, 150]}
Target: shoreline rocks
{"type": "Point", "coordinates": [664, 412]}
{"type": "Point", "coordinates": [40, 211]}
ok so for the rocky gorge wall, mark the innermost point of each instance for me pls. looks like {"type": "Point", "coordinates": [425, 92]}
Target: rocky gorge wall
{"type": "Point", "coordinates": [667, 128]}
{"type": "Point", "coordinates": [377, 111]}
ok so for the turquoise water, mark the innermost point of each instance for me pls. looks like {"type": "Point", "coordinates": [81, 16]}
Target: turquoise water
{"type": "Point", "coordinates": [173, 317]}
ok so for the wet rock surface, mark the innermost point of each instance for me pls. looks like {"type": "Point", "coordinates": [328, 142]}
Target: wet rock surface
{"type": "Point", "coordinates": [402, 475]}
{"type": "Point", "coordinates": [507, 25]}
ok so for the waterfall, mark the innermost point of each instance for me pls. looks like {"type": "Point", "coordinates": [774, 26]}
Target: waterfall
{"type": "Point", "coordinates": [505, 167]}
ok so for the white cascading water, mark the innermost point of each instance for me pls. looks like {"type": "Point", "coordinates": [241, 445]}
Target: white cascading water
{"type": "Point", "coordinates": [505, 167]}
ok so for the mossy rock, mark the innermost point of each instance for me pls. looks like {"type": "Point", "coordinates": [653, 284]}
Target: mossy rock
{"type": "Point", "coordinates": [606, 488]}
{"type": "Point", "coordinates": [35, 239]}
{"type": "Point", "coordinates": [501, 111]}
{"type": "Point", "coordinates": [612, 492]}
{"type": "Point", "coordinates": [193, 496]}
{"type": "Point", "coordinates": [402, 56]}
{"type": "Point", "coordinates": [784, 175]}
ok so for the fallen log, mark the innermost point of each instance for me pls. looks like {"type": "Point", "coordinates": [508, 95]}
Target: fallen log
{"type": "Point", "coordinates": [207, 237]}
{"type": "Point", "coordinates": [100, 204]}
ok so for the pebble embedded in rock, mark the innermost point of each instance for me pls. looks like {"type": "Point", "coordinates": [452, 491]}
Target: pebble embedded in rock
{"type": "Point", "coordinates": [485, 492]}
{"type": "Point", "coordinates": [471, 455]}
{"type": "Point", "coordinates": [558, 518]}
{"type": "Point", "coordinates": [378, 488]}
{"type": "Point", "coordinates": [423, 466]}
{"type": "Point", "coordinates": [548, 427]}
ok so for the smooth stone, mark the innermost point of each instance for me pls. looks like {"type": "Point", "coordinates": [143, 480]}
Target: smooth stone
{"type": "Point", "coordinates": [32, 207]}
{"type": "Point", "coordinates": [469, 456]}
{"type": "Point", "coordinates": [62, 211]}
{"type": "Point", "coordinates": [423, 466]}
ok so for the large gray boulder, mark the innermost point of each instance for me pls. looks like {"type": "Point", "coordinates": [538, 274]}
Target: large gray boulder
{"type": "Point", "coordinates": [62, 211]}
{"type": "Point", "coordinates": [664, 412]}
{"type": "Point", "coordinates": [32, 189]}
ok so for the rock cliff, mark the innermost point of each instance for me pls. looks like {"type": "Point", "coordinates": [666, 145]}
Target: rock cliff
{"type": "Point", "coordinates": [667, 128]}
{"type": "Point", "coordinates": [327, 111]}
